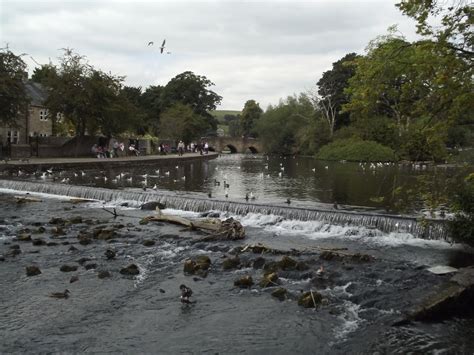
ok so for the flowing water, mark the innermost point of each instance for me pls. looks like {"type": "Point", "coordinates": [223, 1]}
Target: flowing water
{"type": "Point", "coordinates": [133, 315]}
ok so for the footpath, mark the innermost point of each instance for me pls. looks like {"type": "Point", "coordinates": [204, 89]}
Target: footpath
{"type": "Point", "coordinates": [33, 164]}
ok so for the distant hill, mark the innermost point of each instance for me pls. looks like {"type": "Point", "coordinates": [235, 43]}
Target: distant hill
{"type": "Point", "coordinates": [219, 114]}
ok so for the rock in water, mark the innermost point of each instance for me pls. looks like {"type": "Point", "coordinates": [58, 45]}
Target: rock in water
{"type": "Point", "coordinates": [104, 274]}
{"type": "Point", "coordinates": [152, 206]}
{"type": "Point", "coordinates": [310, 299]}
{"type": "Point", "coordinates": [68, 268]}
{"type": "Point", "coordinates": [280, 293]}
{"type": "Point", "coordinates": [32, 271]}
{"type": "Point", "coordinates": [74, 279]}
{"type": "Point", "coordinates": [244, 282]}
{"type": "Point", "coordinates": [131, 269]}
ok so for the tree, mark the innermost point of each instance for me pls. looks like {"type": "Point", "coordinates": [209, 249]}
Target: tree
{"type": "Point", "coordinates": [87, 98]}
{"type": "Point", "coordinates": [180, 122]}
{"type": "Point", "coordinates": [13, 98]}
{"type": "Point", "coordinates": [331, 95]}
{"type": "Point", "coordinates": [410, 82]}
{"type": "Point", "coordinates": [152, 106]}
{"type": "Point", "coordinates": [280, 127]}
{"type": "Point", "coordinates": [250, 115]}
{"type": "Point", "coordinates": [453, 21]}
{"type": "Point", "coordinates": [44, 74]}
{"type": "Point", "coordinates": [192, 90]}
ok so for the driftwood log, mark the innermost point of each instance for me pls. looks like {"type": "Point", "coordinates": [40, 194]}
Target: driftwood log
{"type": "Point", "coordinates": [229, 229]}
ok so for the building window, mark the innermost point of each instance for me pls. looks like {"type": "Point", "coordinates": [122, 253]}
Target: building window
{"type": "Point", "coordinates": [43, 115]}
{"type": "Point", "coordinates": [13, 136]}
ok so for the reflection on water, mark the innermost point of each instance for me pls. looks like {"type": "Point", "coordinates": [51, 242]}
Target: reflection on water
{"type": "Point", "coordinates": [303, 181]}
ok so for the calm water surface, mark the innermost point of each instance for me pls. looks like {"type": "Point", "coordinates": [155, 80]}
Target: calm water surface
{"type": "Point", "coordinates": [303, 180]}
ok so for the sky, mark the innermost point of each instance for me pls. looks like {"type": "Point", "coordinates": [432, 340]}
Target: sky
{"type": "Point", "coordinates": [251, 50]}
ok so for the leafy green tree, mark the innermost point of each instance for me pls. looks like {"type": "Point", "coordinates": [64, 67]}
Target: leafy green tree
{"type": "Point", "coordinates": [250, 115]}
{"type": "Point", "coordinates": [152, 106]}
{"type": "Point", "coordinates": [416, 85]}
{"type": "Point", "coordinates": [44, 74]}
{"type": "Point", "coordinates": [89, 99]}
{"type": "Point", "coordinates": [180, 122]}
{"type": "Point", "coordinates": [462, 226]}
{"type": "Point", "coordinates": [193, 90]}
{"type": "Point", "coordinates": [13, 99]}
{"type": "Point", "coordinates": [331, 95]}
{"type": "Point", "coordinates": [280, 127]}
{"type": "Point", "coordinates": [449, 23]}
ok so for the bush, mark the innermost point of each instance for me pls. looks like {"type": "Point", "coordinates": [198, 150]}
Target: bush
{"type": "Point", "coordinates": [424, 144]}
{"type": "Point", "coordinates": [461, 228]}
{"type": "Point", "coordinates": [356, 150]}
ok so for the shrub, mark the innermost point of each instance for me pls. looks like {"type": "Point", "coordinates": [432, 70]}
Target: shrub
{"type": "Point", "coordinates": [356, 150]}
{"type": "Point", "coordinates": [461, 228]}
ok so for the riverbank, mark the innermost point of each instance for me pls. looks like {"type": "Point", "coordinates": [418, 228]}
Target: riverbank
{"type": "Point", "coordinates": [35, 164]}
{"type": "Point", "coordinates": [364, 290]}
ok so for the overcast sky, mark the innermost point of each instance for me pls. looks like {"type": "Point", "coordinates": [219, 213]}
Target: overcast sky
{"type": "Point", "coordinates": [261, 50]}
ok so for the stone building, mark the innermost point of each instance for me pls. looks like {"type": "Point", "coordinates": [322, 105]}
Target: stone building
{"type": "Point", "coordinates": [31, 123]}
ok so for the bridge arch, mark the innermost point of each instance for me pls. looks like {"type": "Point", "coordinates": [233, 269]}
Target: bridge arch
{"type": "Point", "coordinates": [234, 144]}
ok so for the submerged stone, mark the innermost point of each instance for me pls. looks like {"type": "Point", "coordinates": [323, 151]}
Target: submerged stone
{"type": "Point", "coordinates": [231, 263]}
{"type": "Point", "coordinates": [74, 279]}
{"type": "Point", "coordinates": [148, 242]}
{"type": "Point", "coordinates": [104, 274]}
{"type": "Point", "coordinates": [38, 242]}
{"type": "Point", "coordinates": [259, 263]}
{"type": "Point", "coordinates": [68, 268]}
{"type": "Point", "coordinates": [23, 238]}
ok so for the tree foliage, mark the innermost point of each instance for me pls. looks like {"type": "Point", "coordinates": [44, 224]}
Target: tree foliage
{"type": "Point", "coordinates": [250, 115]}
{"type": "Point", "coordinates": [331, 95]}
{"type": "Point", "coordinates": [180, 122]}
{"type": "Point", "coordinates": [193, 90]}
{"type": "Point", "coordinates": [449, 23]}
{"type": "Point", "coordinates": [280, 127]}
{"type": "Point", "coordinates": [13, 97]}
{"type": "Point", "coordinates": [88, 98]}
{"type": "Point", "coordinates": [462, 226]}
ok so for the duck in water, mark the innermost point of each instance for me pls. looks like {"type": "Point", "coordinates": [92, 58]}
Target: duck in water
{"type": "Point", "coordinates": [186, 293]}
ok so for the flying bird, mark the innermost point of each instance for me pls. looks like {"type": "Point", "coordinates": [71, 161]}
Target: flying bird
{"type": "Point", "coordinates": [162, 48]}
{"type": "Point", "coordinates": [150, 43]}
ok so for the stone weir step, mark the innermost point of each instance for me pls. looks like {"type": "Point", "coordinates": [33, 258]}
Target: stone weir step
{"type": "Point", "coordinates": [33, 164]}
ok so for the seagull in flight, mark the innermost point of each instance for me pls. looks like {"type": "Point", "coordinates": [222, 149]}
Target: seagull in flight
{"type": "Point", "coordinates": [162, 48]}
{"type": "Point", "coordinates": [150, 43]}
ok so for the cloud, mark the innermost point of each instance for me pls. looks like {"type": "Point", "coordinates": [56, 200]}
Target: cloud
{"type": "Point", "coordinates": [264, 50]}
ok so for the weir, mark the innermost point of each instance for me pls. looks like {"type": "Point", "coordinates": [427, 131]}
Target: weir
{"type": "Point", "coordinates": [421, 228]}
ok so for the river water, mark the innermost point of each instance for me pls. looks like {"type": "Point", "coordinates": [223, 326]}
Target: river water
{"type": "Point", "coordinates": [133, 315]}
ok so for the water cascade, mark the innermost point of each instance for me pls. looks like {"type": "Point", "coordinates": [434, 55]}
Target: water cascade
{"type": "Point", "coordinates": [422, 228]}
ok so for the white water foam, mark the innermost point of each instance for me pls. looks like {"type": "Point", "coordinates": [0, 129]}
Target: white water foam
{"type": "Point", "coordinates": [317, 230]}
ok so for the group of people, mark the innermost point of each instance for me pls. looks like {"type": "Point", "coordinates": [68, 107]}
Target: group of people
{"type": "Point", "coordinates": [114, 149]}
{"type": "Point", "coordinates": [181, 148]}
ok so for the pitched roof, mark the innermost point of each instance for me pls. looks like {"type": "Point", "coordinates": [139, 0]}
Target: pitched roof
{"type": "Point", "coordinates": [36, 93]}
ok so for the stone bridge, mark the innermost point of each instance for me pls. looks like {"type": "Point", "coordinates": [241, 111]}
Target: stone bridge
{"type": "Point", "coordinates": [235, 145]}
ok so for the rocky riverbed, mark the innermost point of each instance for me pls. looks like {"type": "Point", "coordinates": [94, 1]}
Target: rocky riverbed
{"type": "Point", "coordinates": [260, 294]}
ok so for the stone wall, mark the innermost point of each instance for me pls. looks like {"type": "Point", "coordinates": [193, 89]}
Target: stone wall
{"type": "Point", "coordinates": [36, 125]}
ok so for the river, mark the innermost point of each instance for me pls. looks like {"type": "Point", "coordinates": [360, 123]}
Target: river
{"type": "Point", "coordinates": [131, 315]}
